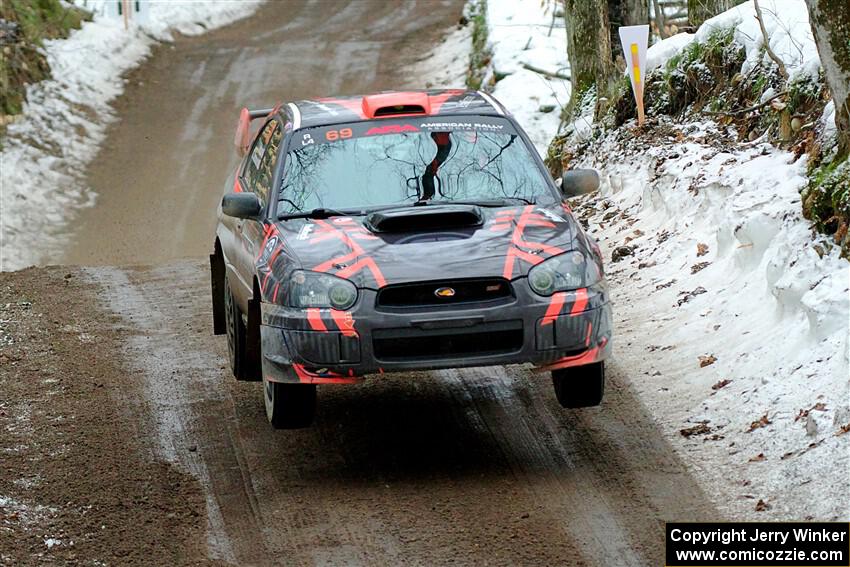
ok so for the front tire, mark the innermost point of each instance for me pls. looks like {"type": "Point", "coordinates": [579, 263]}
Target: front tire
{"type": "Point", "coordinates": [289, 406]}
{"type": "Point", "coordinates": [580, 386]}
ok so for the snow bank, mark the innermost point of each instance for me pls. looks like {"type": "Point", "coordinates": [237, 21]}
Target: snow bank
{"type": "Point", "coordinates": [523, 32]}
{"type": "Point", "coordinates": [46, 151]}
{"type": "Point", "coordinates": [660, 52]}
{"type": "Point", "coordinates": [724, 267]}
{"type": "Point", "coordinates": [732, 316]}
{"type": "Point", "coordinates": [787, 25]}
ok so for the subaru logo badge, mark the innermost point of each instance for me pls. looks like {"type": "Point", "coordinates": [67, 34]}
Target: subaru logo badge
{"type": "Point", "coordinates": [444, 292]}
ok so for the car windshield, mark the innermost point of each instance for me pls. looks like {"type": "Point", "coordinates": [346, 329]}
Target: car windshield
{"type": "Point", "coordinates": [368, 164]}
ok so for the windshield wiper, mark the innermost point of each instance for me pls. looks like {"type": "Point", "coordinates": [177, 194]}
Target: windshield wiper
{"type": "Point", "coordinates": [502, 202]}
{"type": "Point", "coordinates": [319, 213]}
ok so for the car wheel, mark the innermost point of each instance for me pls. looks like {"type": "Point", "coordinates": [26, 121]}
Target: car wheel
{"type": "Point", "coordinates": [580, 386]}
{"type": "Point", "coordinates": [235, 331]}
{"type": "Point", "coordinates": [289, 406]}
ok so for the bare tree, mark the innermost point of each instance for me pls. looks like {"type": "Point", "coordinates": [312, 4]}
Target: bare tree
{"type": "Point", "coordinates": [589, 45]}
{"type": "Point", "coordinates": [624, 13]}
{"type": "Point", "coordinates": [830, 21]}
{"type": "Point", "coordinates": [701, 10]}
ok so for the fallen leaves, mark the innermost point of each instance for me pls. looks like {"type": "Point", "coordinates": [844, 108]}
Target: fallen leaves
{"type": "Point", "coordinates": [763, 421]}
{"type": "Point", "coordinates": [700, 428]}
{"type": "Point", "coordinates": [761, 506]}
{"type": "Point", "coordinates": [707, 360]}
{"type": "Point", "coordinates": [688, 295]}
{"type": "Point", "coordinates": [699, 267]}
{"type": "Point", "coordinates": [804, 413]}
{"type": "Point", "coordinates": [721, 384]}
{"type": "Point", "coordinates": [843, 429]}
{"type": "Point", "coordinates": [702, 249]}
{"type": "Point", "coordinates": [621, 252]}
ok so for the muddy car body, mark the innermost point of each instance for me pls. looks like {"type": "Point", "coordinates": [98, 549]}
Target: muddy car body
{"type": "Point", "coordinates": [400, 231]}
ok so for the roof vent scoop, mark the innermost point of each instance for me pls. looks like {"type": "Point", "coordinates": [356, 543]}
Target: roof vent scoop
{"type": "Point", "coordinates": [425, 218]}
{"type": "Point", "coordinates": [396, 104]}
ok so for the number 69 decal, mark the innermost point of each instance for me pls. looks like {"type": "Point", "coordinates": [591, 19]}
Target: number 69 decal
{"type": "Point", "coordinates": [341, 134]}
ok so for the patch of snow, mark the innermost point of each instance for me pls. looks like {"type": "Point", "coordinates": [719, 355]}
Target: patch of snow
{"type": "Point", "coordinates": [46, 150]}
{"type": "Point", "coordinates": [724, 265]}
{"type": "Point", "coordinates": [827, 122]}
{"type": "Point", "coordinates": [26, 514]}
{"type": "Point", "coordinates": [660, 52]}
{"type": "Point", "coordinates": [445, 66]}
{"type": "Point", "coordinates": [731, 314]}
{"type": "Point", "coordinates": [52, 542]}
{"type": "Point", "coordinates": [523, 32]}
{"type": "Point", "coordinates": [788, 30]}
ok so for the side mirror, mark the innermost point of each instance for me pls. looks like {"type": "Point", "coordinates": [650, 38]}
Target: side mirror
{"type": "Point", "coordinates": [241, 205]}
{"type": "Point", "coordinates": [579, 182]}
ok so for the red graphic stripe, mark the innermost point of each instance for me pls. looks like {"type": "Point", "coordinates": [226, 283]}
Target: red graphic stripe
{"type": "Point", "coordinates": [587, 357]}
{"type": "Point", "coordinates": [357, 251]}
{"type": "Point", "coordinates": [344, 321]}
{"type": "Point", "coordinates": [518, 243]}
{"type": "Point", "coordinates": [580, 303]}
{"type": "Point", "coordinates": [554, 309]}
{"type": "Point", "coordinates": [307, 377]}
{"type": "Point", "coordinates": [314, 317]}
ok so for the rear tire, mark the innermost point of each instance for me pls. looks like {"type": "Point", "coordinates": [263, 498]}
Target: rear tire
{"type": "Point", "coordinates": [236, 334]}
{"type": "Point", "coordinates": [289, 406]}
{"type": "Point", "coordinates": [580, 386]}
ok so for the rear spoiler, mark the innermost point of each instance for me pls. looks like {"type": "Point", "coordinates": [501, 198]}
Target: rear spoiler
{"type": "Point", "coordinates": [243, 128]}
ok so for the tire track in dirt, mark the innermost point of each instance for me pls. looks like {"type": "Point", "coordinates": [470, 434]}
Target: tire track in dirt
{"type": "Point", "coordinates": [424, 468]}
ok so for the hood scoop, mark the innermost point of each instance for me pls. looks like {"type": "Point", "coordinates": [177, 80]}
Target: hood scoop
{"type": "Point", "coordinates": [425, 218]}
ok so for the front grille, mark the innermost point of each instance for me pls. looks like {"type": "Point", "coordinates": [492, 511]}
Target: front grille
{"type": "Point", "coordinates": [395, 345]}
{"type": "Point", "coordinates": [424, 294]}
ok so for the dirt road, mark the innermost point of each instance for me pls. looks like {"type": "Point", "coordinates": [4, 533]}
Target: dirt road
{"type": "Point", "coordinates": [456, 467]}
{"type": "Point", "coordinates": [118, 410]}
{"type": "Point", "coordinates": [161, 171]}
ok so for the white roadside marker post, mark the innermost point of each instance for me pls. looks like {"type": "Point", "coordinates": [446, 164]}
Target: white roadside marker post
{"type": "Point", "coordinates": [635, 40]}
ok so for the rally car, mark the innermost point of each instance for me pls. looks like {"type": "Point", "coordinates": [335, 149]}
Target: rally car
{"type": "Point", "coordinates": [396, 231]}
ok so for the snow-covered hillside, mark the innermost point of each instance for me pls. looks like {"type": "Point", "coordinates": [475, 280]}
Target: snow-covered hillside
{"type": "Point", "coordinates": [47, 149]}
{"type": "Point", "coordinates": [731, 314]}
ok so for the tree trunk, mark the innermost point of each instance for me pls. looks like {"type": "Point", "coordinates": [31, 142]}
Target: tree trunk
{"type": "Point", "coordinates": [701, 10]}
{"type": "Point", "coordinates": [624, 13]}
{"type": "Point", "coordinates": [588, 46]}
{"type": "Point", "coordinates": [830, 21]}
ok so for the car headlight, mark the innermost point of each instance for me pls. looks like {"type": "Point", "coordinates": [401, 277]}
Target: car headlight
{"type": "Point", "coordinates": [314, 289]}
{"type": "Point", "coordinates": [564, 272]}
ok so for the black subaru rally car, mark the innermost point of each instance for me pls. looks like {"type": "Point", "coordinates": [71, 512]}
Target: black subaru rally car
{"type": "Point", "coordinates": [398, 231]}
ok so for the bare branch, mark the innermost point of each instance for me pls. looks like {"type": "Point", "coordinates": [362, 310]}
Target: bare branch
{"type": "Point", "coordinates": [545, 73]}
{"type": "Point", "coordinates": [770, 53]}
{"type": "Point", "coordinates": [748, 109]}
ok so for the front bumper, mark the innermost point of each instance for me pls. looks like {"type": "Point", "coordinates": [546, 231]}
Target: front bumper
{"type": "Point", "coordinates": [327, 346]}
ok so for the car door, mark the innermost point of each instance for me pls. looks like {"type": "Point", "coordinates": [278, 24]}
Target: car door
{"type": "Point", "coordinates": [257, 177]}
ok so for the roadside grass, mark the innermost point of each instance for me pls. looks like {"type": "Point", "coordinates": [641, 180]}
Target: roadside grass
{"type": "Point", "coordinates": [480, 56]}
{"type": "Point", "coordinates": [24, 25]}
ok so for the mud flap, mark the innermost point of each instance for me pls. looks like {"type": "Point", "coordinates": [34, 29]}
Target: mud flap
{"type": "Point", "coordinates": [217, 275]}
{"type": "Point", "coordinates": [253, 349]}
